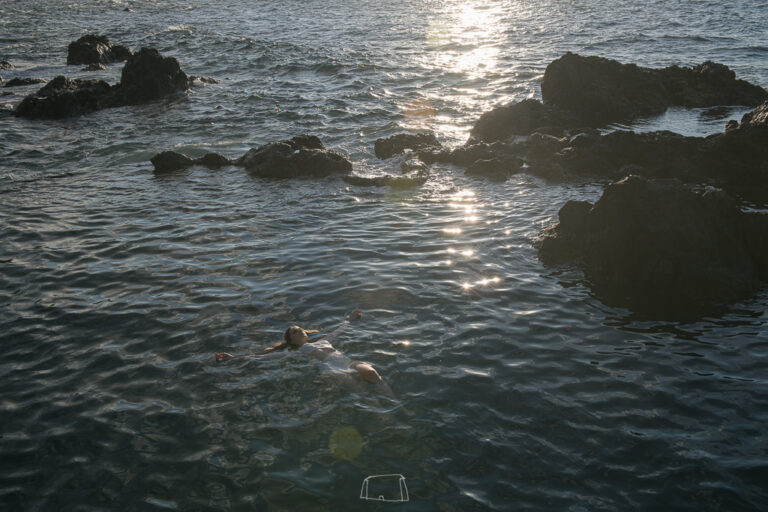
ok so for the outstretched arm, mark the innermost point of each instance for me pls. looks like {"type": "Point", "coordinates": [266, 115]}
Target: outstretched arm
{"type": "Point", "coordinates": [354, 315]}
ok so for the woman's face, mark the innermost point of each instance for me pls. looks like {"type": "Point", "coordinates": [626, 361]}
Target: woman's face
{"type": "Point", "coordinates": [297, 335]}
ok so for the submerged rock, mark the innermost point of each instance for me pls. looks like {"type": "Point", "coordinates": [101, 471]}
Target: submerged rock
{"type": "Point", "coordinates": [523, 118]}
{"type": "Point", "coordinates": [303, 155]}
{"type": "Point", "coordinates": [63, 97]}
{"type": "Point", "coordinates": [170, 161]}
{"type": "Point", "coordinates": [16, 82]}
{"type": "Point", "coordinates": [415, 180]}
{"type": "Point", "coordinates": [95, 49]}
{"type": "Point", "coordinates": [735, 160]}
{"type": "Point", "coordinates": [146, 76]}
{"type": "Point", "coordinates": [662, 247]}
{"type": "Point", "coordinates": [396, 144]}
{"type": "Point", "coordinates": [600, 91]}
{"type": "Point", "coordinates": [495, 169]}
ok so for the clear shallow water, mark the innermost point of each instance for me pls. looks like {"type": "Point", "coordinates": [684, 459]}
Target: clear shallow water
{"type": "Point", "coordinates": [525, 391]}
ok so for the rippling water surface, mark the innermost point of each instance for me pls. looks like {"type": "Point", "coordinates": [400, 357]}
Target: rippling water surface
{"type": "Point", "coordinates": [514, 388]}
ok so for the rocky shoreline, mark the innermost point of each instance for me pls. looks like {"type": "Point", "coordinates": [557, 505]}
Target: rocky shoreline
{"type": "Point", "coordinates": [669, 233]}
{"type": "Point", "coordinates": [668, 237]}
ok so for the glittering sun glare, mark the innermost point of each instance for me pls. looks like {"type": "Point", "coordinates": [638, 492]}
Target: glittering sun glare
{"type": "Point", "coordinates": [467, 41]}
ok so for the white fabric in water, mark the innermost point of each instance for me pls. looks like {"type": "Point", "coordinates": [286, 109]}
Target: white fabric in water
{"type": "Point", "coordinates": [308, 348]}
{"type": "Point", "coordinates": [335, 360]}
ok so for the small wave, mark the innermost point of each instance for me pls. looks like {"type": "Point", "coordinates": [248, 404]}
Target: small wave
{"type": "Point", "coordinates": [180, 28]}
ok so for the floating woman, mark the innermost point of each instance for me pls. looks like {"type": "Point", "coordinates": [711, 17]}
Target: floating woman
{"type": "Point", "coordinates": [295, 338]}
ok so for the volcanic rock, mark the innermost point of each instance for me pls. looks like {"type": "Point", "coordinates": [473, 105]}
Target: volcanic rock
{"type": "Point", "coordinates": [16, 82]}
{"type": "Point", "coordinates": [600, 91]}
{"type": "Point", "coordinates": [662, 247]}
{"type": "Point", "coordinates": [63, 97]}
{"type": "Point", "coordinates": [147, 76]}
{"type": "Point", "coordinates": [496, 169]}
{"type": "Point", "coordinates": [290, 159]}
{"type": "Point", "coordinates": [95, 49]}
{"type": "Point", "coordinates": [396, 144]}
{"type": "Point", "coordinates": [303, 155]}
{"type": "Point", "coordinates": [169, 161]}
{"type": "Point", "coordinates": [523, 118]}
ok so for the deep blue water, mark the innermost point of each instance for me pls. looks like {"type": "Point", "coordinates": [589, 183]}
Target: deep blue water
{"type": "Point", "coordinates": [515, 388]}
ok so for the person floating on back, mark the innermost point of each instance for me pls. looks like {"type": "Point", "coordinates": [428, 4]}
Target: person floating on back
{"type": "Point", "coordinates": [295, 338]}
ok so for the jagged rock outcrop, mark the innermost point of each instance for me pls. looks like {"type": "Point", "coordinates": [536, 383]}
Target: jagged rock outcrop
{"type": "Point", "coordinates": [96, 49]}
{"type": "Point", "coordinates": [523, 118]}
{"type": "Point", "coordinates": [300, 156]}
{"type": "Point", "coordinates": [735, 160]}
{"type": "Point", "coordinates": [599, 91]}
{"type": "Point", "coordinates": [63, 97]}
{"type": "Point", "coordinates": [586, 92]}
{"type": "Point", "coordinates": [17, 82]}
{"type": "Point", "coordinates": [303, 155]}
{"type": "Point", "coordinates": [397, 144]}
{"type": "Point", "coordinates": [146, 76]}
{"type": "Point", "coordinates": [662, 247]}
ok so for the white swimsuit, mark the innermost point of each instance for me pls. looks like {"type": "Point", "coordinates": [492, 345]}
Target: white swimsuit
{"type": "Point", "coordinates": [335, 360]}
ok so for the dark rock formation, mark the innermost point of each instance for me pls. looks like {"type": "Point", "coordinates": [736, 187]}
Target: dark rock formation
{"type": "Point", "coordinates": [387, 147]}
{"type": "Point", "coordinates": [146, 76]}
{"type": "Point", "coordinates": [661, 247]}
{"type": "Point", "coordinates": [735, 160]}
{"type": "Point", "coordinates": [62, 97]}
{"type": "Point", "coordinates": [16, 82]}
{"type": "Point", "coordinates": [213, 161]}
{"type": "Point", "coordinates": [495, 169]}
{"type": "Point", "coordinates": [599, 91]}
{"type": "Point", "coordinates": [95, 49]}
{"type": "Point", "coordinates": [4, 64]}
{"type": "Point", "coordinates": [169, 161]}
{"type": "Point", "coordinates": [303, 155]}
{"type": "Point", "coordinates": [523, 118]}
{"type": "Point", "coordinates": [662, 154]}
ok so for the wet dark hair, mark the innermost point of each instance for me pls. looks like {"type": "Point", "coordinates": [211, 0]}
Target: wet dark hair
{"type": "Point", "coordinates": [282, 345]}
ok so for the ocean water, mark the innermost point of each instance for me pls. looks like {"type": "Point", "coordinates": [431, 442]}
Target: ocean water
{"type": "Point", "coordinates": [514, 387]}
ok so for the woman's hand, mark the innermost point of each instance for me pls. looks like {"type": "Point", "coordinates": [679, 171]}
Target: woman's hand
{"type": "Point", "coordinates": [355, 315]}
